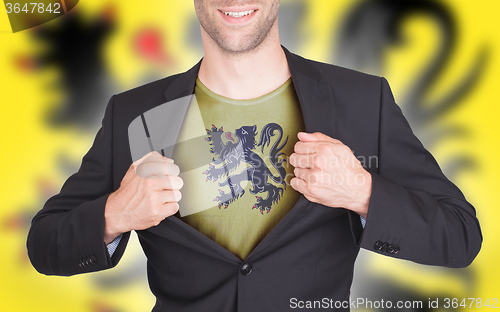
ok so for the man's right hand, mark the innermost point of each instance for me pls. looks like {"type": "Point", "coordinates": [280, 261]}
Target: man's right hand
{"type": "Point", "coordinates": [148, 194]}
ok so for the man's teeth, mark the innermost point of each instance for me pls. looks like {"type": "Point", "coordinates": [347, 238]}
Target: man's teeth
{"type": "Point", "coordinates": [239, 14]}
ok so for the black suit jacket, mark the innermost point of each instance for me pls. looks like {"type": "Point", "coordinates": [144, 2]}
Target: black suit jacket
{"type": "Point", "coordinates": [414, 209]}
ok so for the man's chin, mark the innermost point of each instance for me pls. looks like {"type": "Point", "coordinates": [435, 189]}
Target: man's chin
{"type": "Point", "coordinates": [239, 45]}
{"type": "Point", "coordinates": [238, 50]}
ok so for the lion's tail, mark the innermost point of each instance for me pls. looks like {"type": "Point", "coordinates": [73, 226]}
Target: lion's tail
{"type": "Point", "coordinates": [265, 139]}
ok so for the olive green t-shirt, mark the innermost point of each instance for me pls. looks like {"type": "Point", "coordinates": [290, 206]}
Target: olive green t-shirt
{"type": "Point", "coordinates": [237, 180]}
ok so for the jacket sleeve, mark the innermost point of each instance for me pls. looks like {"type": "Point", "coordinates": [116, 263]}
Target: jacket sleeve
{"type": "Point", "coordinates": [67, 236]}
{"type": "Point", "coordinates": [415, 212]}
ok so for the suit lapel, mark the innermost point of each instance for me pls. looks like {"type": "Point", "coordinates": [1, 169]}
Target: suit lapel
{"type": "Point", "coordinates": [183, 85]}
{"type": "Point", "coordinates": [316, 98]}
{"type": "Point", "coordinates": [318, 109]}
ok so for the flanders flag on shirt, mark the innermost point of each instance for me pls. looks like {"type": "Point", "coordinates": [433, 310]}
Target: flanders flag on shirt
{"type": "Point", "coordinates": [244, 189]}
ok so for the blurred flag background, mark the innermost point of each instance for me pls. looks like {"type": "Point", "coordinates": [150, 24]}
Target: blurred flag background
{"type": "Point", "coordinates": [440, 57]}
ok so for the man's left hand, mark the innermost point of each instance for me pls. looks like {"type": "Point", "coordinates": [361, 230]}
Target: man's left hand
{"type": "Point", "coordinates": [328, 173]}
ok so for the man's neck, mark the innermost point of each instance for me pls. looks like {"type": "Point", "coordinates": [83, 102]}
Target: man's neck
{"type": "Point", "coordinates": [244, 76]}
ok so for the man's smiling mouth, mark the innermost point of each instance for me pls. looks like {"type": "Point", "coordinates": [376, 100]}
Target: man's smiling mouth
{"type": "Point", "coordinates": [239, 14]}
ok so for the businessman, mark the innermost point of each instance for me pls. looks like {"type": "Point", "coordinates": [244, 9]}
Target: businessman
{"type": "Point", "coordinates": [288, 139]}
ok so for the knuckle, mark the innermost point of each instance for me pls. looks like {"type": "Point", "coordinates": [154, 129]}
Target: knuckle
{"type": "Point", "coordinates": [172, 182]}
{"type": "Point", "coordinates": [173, 170]}
{"type": "Point", "coordinates": [296, 146]}
{"type": "Point", "coordinates": [149, 183]}
{"type": "Point", "coordinates": [316, 162]}
{"type": "Point", "coordinates": [177, 170]}
{"type": "Point", "coordinates": [301, 161]}
{"type": "Point", "coordinates": [180, 182]}
{"type": "Point", "coordinates": [172, 208]}
{"type": "Point", "coordinates": [177, 195]}
{"type": "Point", "coordinates": [324, 148]}
{"type": "Point", "coordinates": [155, 210]}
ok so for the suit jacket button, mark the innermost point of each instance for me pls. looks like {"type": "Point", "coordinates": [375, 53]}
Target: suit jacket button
{"type": "Point", "coordinates": [246, 269]}
{"type": "Point", "coordinates": [378, 245]}
{"type": "Point", "coordinates": [384, 247]}
{"type": "Point", "coordinates": [93, 260]}
{"type": "Point", "coordinates": [396, 249]}
{"type": "Point", "coordinates": [390, 249]}
{"type": "Point", "coordinates": [81, 264]}
{"type": "Point", "coordinates": [87, 262]}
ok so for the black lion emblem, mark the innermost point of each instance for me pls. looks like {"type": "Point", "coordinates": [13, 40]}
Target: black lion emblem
{"type": "Point", "coordinates": [231, 154]}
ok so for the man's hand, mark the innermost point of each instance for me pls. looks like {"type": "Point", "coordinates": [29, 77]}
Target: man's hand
{"type": "Point", "coordinates": [328, 173]}
{"type": "Point", "coordinates": [148, 193]}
